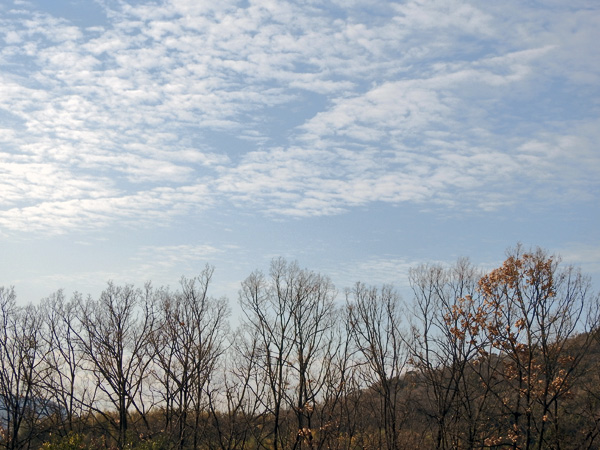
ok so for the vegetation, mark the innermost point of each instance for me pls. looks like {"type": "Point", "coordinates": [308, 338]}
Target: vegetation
{"type": "Point", "coordinates": [507, 359]}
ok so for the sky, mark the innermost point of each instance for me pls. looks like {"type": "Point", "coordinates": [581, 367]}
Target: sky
{"type": "Point", "coordinates": [143, 139]}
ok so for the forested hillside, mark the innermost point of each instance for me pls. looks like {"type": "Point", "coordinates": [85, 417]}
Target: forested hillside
{"type": "Point", "coordinates": [507, 358]}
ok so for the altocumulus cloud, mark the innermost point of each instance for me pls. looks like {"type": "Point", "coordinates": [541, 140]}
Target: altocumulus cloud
{"type": "Point", "coordinates": [167, 107]}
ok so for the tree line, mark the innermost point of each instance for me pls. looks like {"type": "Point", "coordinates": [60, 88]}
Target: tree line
{"type": "Point", "coordinates": [498, 359]}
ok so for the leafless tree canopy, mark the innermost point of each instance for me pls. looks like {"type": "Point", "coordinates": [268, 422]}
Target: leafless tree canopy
{"type": "Point", "coordinates": [505, 359]}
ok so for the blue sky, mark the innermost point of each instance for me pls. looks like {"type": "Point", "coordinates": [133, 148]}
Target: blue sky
{"type": "Point", "coordinates": [143, 139]}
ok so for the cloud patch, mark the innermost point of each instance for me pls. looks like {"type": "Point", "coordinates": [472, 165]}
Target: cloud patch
{"type": "Point", "coordinates": [293, 111]}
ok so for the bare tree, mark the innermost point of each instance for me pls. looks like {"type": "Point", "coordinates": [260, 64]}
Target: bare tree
{"type": "Point", "coordinates": [290, 314]}
{"type": "Point", "coordinates": [114, 337]}
{"type": "Point", "coordinates": [21, 356]}
{"type": "Point", "coordinates": [188, 343]}
{"type": "Point", "coordinates": [442, 347]}
{"type": "Point", "coordinates": [340, 411]}
{"type": "Point", "coordinates": [375, 318]}
{"type": "Point", "coordinates": [64, 381]}
{"type": "Point", "coordinates": [235, 405]}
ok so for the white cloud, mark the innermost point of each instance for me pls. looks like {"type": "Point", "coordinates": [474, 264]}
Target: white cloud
{"type": "Point", "coordinates": [169, 256]}
{"type": "Point", "coordinates": [155, 207]}
{"type": "Point", "coordinates": [443, 15]}
{"type": "Point", "coordinates": [584, 256]}
{"type": "Point", "coordinates": [163, 94]}
{"type": "Point", "coordinates": [179, 111]}
{"type": "Point", "coordinates": [375, 271]}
